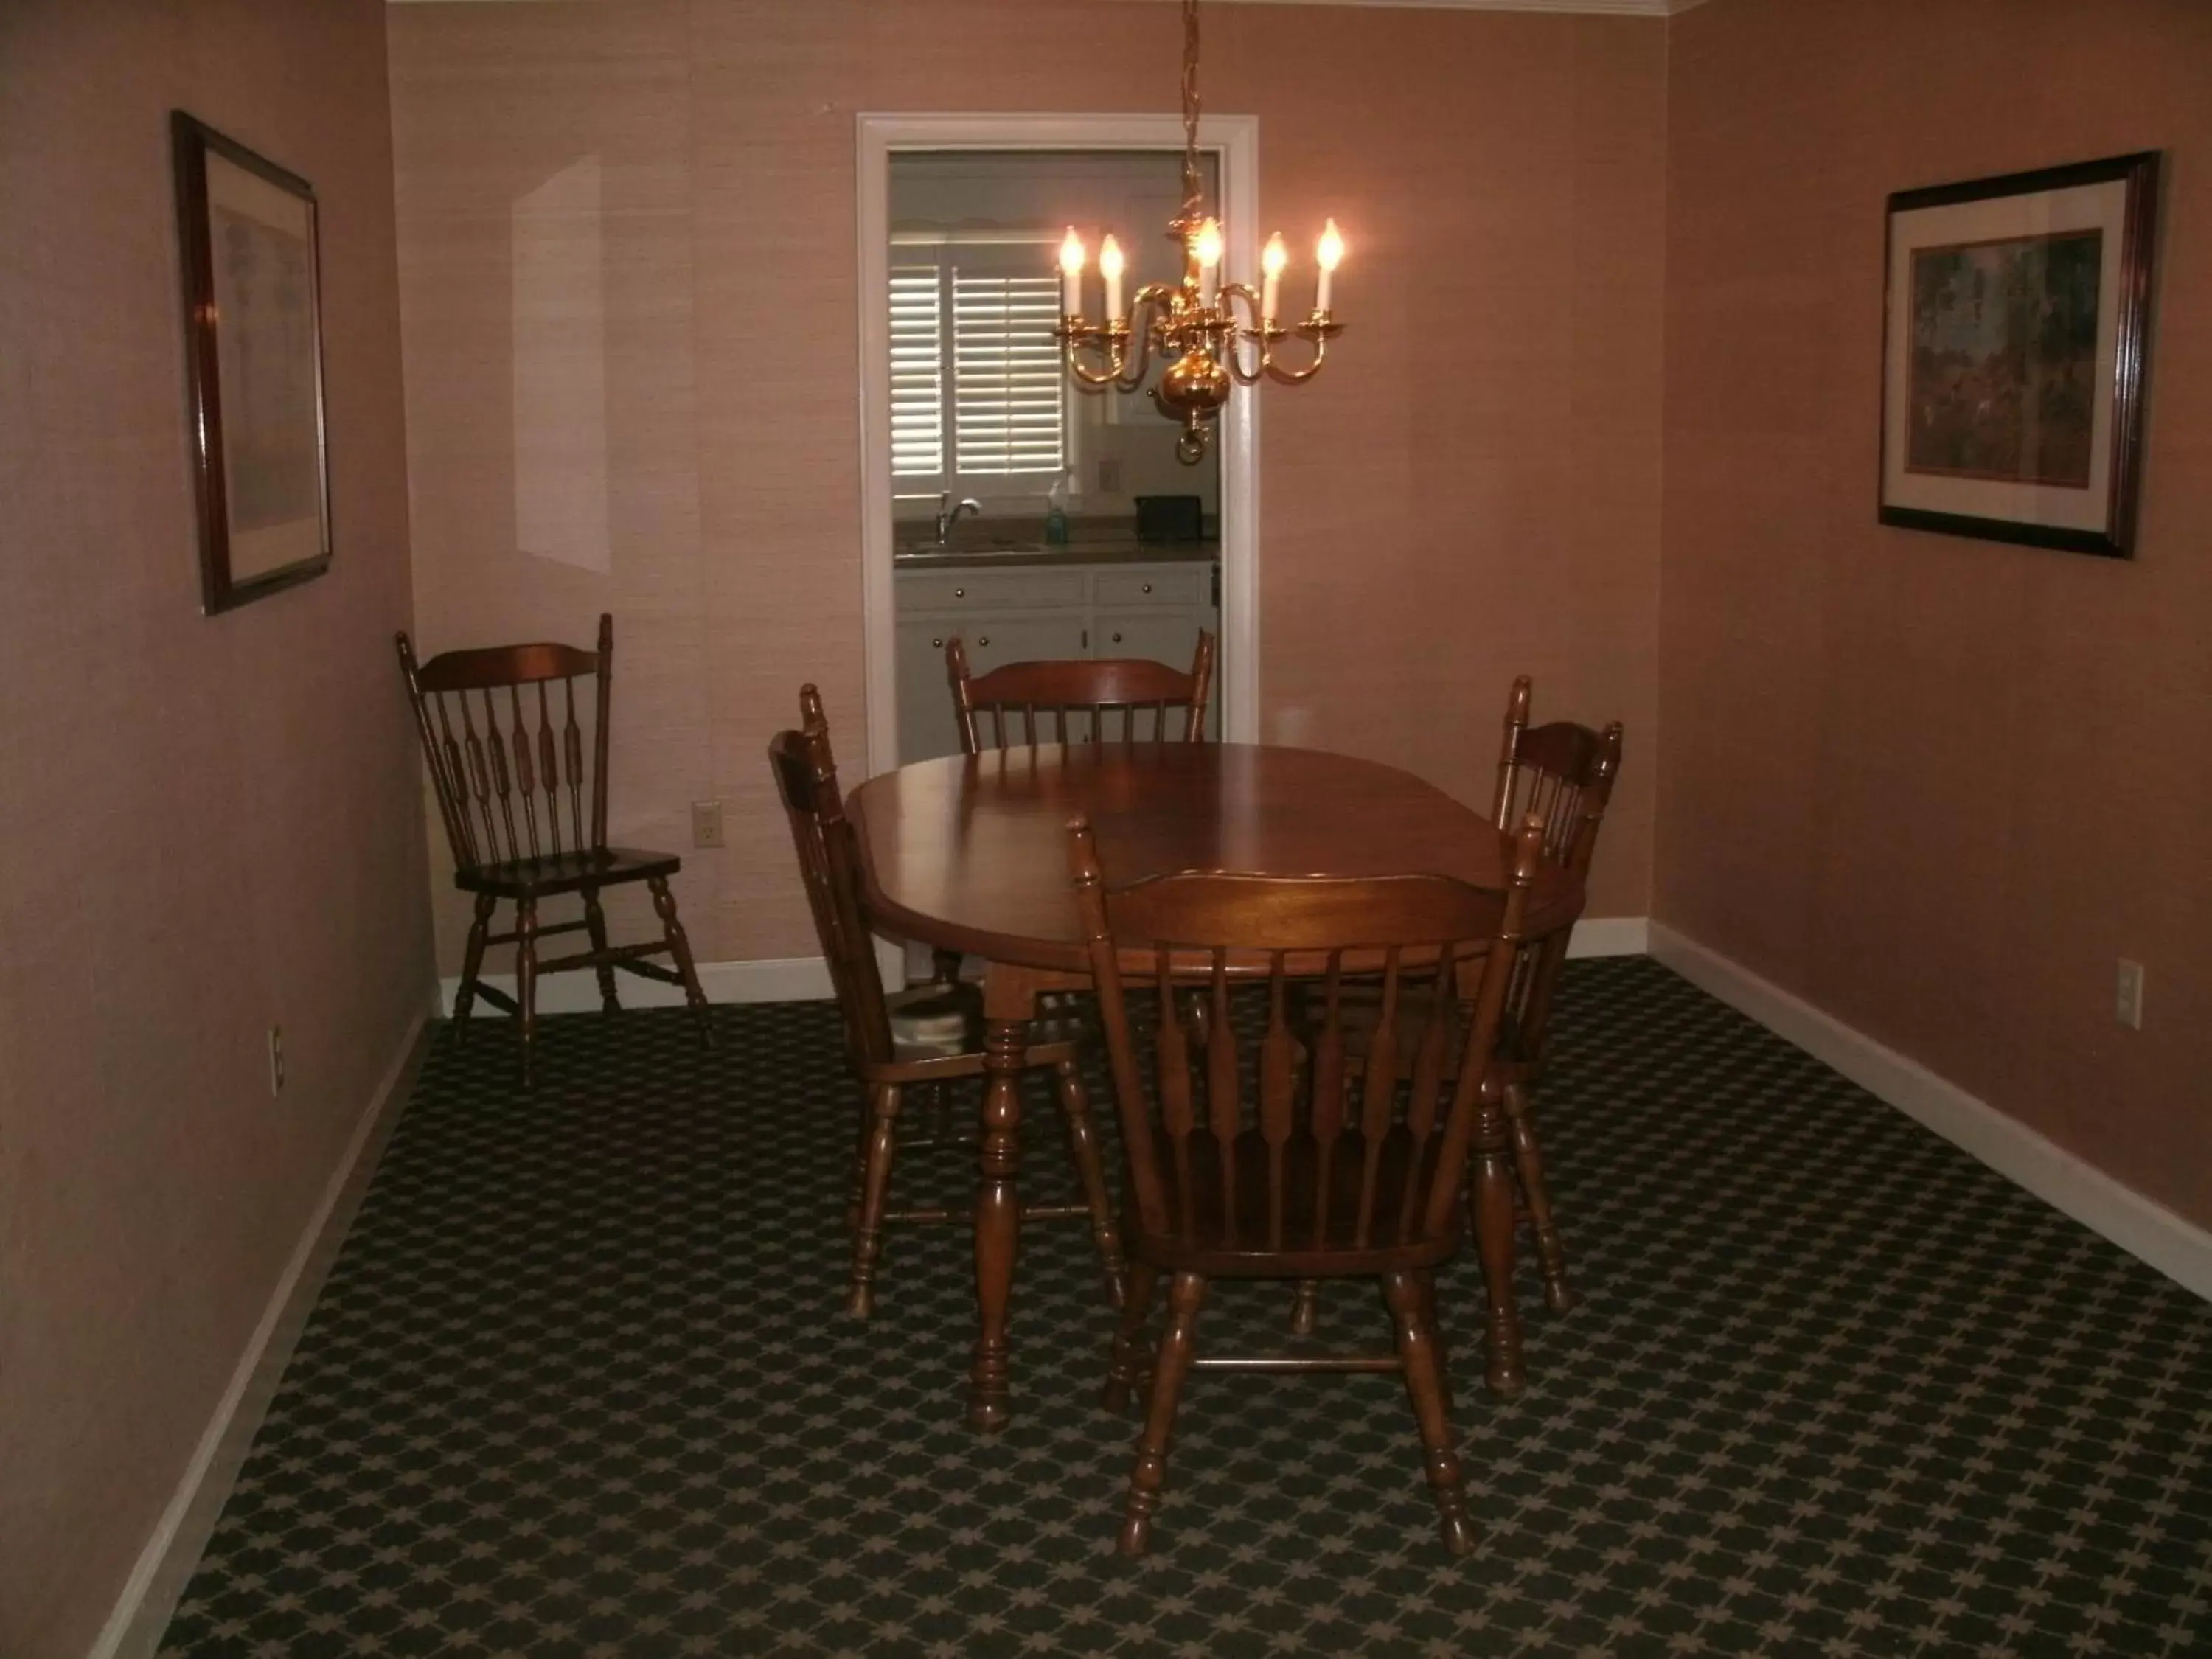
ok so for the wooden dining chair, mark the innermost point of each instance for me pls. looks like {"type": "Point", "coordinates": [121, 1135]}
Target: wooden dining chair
{"type": "Point", "coordinates": [1559, 776]}
{"type": "Point", "coordinates": [1005, 706]}
{"type": "Point", "coordinates": [1242, 1164]}
{"type": "Point", "coordinates": [930, 1037]}
{"type": "Point", "coordinates": [504, 735]}
{"type": "Point", "coordinates": [1016, 696]}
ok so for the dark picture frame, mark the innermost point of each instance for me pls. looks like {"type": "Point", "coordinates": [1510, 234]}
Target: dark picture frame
{"type": "Point", "coordinates": [2015, 332]}
{"type": "Point", "coordinates": [247, 251]}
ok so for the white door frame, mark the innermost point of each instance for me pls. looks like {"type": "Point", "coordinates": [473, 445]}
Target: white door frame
{"type": "Point", "coordinates": [1236, 140]}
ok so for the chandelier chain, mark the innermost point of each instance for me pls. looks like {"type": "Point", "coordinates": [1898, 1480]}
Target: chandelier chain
{"type": "Point", "coordinates": [1191, 193]}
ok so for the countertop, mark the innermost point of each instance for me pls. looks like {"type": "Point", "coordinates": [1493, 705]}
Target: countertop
{"type": "Point", "coordinates": [1112, 551]}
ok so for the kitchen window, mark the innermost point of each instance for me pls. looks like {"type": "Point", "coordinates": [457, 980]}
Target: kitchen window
{"type": "Point", "coordinates": [979, 401]}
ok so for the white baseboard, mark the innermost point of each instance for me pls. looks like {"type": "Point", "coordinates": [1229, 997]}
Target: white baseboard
{"type": "Point", "coordinates": [2148, 1230]}
{"type": "Point", "coordinates": [807, 979]}
{"type": "Point", "coordinates": [149, 1596]}
{"type": "Point", "coordinates": [1610, 936]}
{"type": "Point", "coordinates": [576, 991]}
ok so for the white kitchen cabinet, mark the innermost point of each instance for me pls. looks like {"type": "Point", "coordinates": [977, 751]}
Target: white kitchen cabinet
{"type": "Point", "coordinates": [1038, 613]}
{"type": "Point", "coordinates": [926, 725]}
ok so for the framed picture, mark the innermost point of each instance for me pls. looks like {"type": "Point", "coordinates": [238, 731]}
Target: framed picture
{"type": "Point", "coordinates": [2016, 328]}
{"type": "Point", "coordinates": [253, 355]}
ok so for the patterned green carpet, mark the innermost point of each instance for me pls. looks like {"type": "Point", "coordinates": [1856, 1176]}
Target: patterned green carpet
{"type": "Point", "coordinates": [578, 1385]}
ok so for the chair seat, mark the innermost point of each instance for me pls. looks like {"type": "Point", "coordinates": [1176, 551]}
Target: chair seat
{"type": "Point", "coordinates": [566, 873]}
{"type": "Point", "coordinates": [945, 1022]}
{"type": "Point", "coordinates": [1236, 1233]}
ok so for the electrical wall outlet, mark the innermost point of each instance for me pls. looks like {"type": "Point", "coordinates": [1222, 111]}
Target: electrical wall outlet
{"type": "Point", "coordinates": [706, 823]}
{"type": "Point", "coordinates": [275, 1060]}
{"type": "Point", "coordinates": [2127, 996]}
{"type": "Point", "coordinates": [1109, 475]}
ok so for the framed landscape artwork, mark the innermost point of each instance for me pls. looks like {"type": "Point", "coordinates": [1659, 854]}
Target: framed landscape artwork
{"type": "Point", "coordinates": [254, 354]}
{"type": "Point", "coordinates": [2016, 330]}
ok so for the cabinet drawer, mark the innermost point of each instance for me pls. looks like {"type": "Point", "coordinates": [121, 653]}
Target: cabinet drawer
{"type": "Point", "coordinates": [972, 590]}
{"type": "Point", "coordinates": [1169, 636]}
{"type": "Point", "coordinates": [995, 638]}
{"type": "Point", "coordinates": [1154, 584]}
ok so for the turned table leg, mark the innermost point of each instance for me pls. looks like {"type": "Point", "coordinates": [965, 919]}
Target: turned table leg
{"type": "Point", "coordinates": [1008, 1002]}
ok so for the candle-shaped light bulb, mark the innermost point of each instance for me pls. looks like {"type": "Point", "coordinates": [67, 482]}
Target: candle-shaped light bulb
{"type": "Point", "coordinates": [1271, 261]}
{"type": "Point", "coordinates": [1330, 252]}
{"type": "Point", "coordinates": [1207, 245]}
{"type": "Point", "coordinates": [1070, 273]}
{"type": "Point", "coordinates": [1110, 267]}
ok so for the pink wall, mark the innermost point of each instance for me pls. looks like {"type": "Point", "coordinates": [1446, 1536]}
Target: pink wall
{"type": "Point", "coordinates": [1470, 491]}
{"type": "Point", "coordinates": [1936, 787]}
{"type": "Point", "coordinates": [209, 825]}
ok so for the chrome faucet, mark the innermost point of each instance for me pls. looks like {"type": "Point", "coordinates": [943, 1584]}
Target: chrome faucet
{"type": "Point", "coordinates": [948, 512]}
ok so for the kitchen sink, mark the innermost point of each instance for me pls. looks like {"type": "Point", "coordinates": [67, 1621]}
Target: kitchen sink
{"type": "Point", "coordinates": [993, 547]}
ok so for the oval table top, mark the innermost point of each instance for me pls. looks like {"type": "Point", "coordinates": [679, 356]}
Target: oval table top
{"type": "Point", "coordinates": [970, 851]}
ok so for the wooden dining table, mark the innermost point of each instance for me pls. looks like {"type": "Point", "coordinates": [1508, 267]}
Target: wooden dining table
{"type": "Point", "coordinates": [971, 853]}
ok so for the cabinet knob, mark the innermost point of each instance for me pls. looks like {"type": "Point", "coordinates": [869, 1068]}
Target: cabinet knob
{"type": "Point", "coordinates": [959, 592]}
{"type": "Point", "coordinates": [982, 639]}
{"type": "Point", "coordinates": [1117, 639]}
{"type": "Point", "coordinates": [936, 645]}
{"type": "Point", "coordinates": [1148, 587]}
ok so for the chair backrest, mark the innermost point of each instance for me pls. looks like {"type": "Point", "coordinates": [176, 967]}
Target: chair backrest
{"type": "Point", "coordinates": [1561, 775]}
{"type": "Point", "coordinates": [1091, 689]}
{"type": "Point", "coordinates": [1253, 1151]}
{"type": "Point", "coordinates": [506, 746]}
{"type": "Point", "coordinates": [829, 861]}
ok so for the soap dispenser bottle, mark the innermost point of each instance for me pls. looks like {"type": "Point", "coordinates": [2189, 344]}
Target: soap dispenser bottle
{"type": "Point", "coordinates": [1055, 513]}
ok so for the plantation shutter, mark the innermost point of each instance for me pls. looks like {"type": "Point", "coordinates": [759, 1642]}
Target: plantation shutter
{"type": "Point", "coordinates": [917, 371]}
{"type": "Point", "coordinates": [1008, 401]}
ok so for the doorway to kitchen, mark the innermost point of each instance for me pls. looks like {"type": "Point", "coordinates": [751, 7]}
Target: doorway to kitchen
{"type": "Point", "coordinates": [1048, 514]}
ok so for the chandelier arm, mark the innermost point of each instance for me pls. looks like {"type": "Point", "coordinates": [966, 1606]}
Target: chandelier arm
{"type": "Point", "coordinates": [1234, 337]}
{"type": "Point", "coordinates": [1231, 292]}
{"type": "Point", "coordinates": [1091, 379]}
{"type": "Point", "coordinates": [1297, 376]}
{"type": "Point", "coordinates": [1137, 360]}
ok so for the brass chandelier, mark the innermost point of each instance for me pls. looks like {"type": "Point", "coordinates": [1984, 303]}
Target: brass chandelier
{"type": "Point", "coordinates": [1194, 322]}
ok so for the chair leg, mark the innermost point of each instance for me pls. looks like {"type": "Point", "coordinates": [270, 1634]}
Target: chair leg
{"type": "Point", "coordinates": [1177, 1343]}
{"type": "Point", "coordinates": [525, 977]}
{"type": "Point", "coordinates": [1136, 1307]}
{"type": "Point", "coordinates": [595, 927]}
{"type": "Point", "coordinates": [875, 1183]}
{"type": "Point", "coordinates": [1427, 1283]}
{"type": "Point", "coordinates": [1528, 1166]}
{"type": "Point", "coordinates": [679, 947]}
{"type": "Point", "coordinates": [1305, 1307]}
{"type": "Point", "coordinates": [1409, 1303]}
{"type": "Point", "coordinates": [1490, 1202]}
{"type": "Point", "coordinates": [473, 964]}
{"type": "Point", "coordinates": [1083, 1147]}
{"type": "Point", "coordinates": [862, 1138]}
